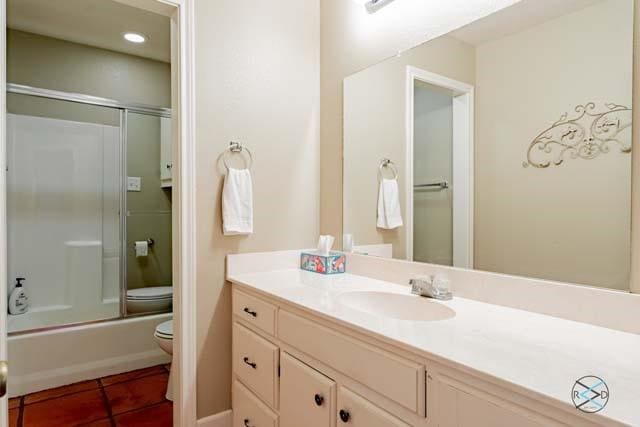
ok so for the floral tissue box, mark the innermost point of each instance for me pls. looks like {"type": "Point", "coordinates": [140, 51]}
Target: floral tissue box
{"type": "Point", "coordinates": [334, 263]}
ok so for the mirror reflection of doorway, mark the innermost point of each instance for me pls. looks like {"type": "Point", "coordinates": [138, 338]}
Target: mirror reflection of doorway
{"type": "Point", "coordinates": [432, 174]}
{"type": "Point", "coordinates": [439, 188]}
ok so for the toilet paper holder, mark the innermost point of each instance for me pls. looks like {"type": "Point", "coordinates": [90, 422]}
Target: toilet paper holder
{"type": "Point", "coordinates": [150, 242]}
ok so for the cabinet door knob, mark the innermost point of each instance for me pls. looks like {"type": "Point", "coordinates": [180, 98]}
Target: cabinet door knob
{"type": "Point", "coordinates": [344, 415]}
{"type": "Point", "coordinates": [246, 422]}
{"type": "Point", "coordinates": [252, 364]}
{"type": "Point", "coordinates": [319, 400]}
{"type": "Point", "coordinates": [250, 312]}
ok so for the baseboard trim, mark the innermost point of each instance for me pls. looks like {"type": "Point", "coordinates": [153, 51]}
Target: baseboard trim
{"type": "Point", "coordinates": [221, 419]}
{"type": "Point", "coordinates": [43, 380]}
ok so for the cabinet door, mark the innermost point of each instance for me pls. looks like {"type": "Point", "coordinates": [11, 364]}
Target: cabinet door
{"type": "Point", "coordinates": [307, 398]}
{"type": "Point", "coordinates": [457, 408]}
{"type": "Point", "coordinates": [355, 411]}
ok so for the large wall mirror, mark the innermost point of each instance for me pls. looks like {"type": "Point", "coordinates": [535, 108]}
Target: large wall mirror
{"type": "Point", "coordinates": [503, 146]}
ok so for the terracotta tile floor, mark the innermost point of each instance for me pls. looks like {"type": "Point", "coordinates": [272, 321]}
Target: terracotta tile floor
{"type": "Point", "coordinates": [131, 399]}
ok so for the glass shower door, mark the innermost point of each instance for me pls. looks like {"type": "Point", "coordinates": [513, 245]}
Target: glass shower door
{"type": "Point", "coordinates": [148, 273]}
{"type": "Point", "coordinates": [63, 210]}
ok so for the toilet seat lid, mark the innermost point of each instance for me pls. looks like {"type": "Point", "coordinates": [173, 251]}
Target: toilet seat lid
{"type": "Point", "coordinates": [165, 329]}
{"type": "Point", "coordinates": [151, 293]}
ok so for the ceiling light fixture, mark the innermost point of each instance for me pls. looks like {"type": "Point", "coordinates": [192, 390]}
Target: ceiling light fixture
{"type": "Point", "coordinates": [373, 6]}
{"type": "Point", "coordinates": [134, 37]}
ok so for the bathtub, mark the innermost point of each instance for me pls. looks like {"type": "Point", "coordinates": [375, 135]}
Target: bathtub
{"type": "Point", "coordinates": [67, 355]}
{"type": "Point", "coordinates": [49, 316]}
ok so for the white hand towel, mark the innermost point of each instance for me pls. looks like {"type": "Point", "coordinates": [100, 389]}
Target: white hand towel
{"type": "Point", "coordinates": [389, 214]}
{"type": "Point", "coordinates": [237, 203]}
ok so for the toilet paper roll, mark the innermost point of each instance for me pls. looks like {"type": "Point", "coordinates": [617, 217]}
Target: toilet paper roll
{"type": "Point", "coordinates": [142, 248]}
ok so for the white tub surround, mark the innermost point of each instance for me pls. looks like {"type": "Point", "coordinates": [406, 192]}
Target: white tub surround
{"type": "Point", "coordinates": [63, 210]}
{"type": "Point", "coordinates": [523, 361]}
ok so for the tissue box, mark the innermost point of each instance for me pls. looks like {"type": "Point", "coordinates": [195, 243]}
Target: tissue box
{"type": "Point", "coordinates": [334, 263]}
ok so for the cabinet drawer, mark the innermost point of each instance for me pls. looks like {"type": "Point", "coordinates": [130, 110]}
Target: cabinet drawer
{"type": "Point", "coordinates": [355, 411]}
{"type": "Point", "coordinates": [249, 411]}
{"type": "Point", "coordinates": [307, 398]}
{"type": "Point", "coordinates": [255, 362]}
{"type": "Point", "coordinates": [255, 311]}
{"type": "Point", "coordinates": [398, 379]}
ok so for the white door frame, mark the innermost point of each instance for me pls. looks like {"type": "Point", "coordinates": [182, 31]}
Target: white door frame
{"type": "Point", "coordinates": [463, 102]}
{"type": "Point", "coordinates": [181, 13]}
{"type": "Point", "coordinates": [4, 406]}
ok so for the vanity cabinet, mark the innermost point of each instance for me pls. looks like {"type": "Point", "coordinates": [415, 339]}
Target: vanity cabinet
{"type": "Point", "coordinates": [275, 386]}
{"type": "Point", "coordinates": [294, 369]}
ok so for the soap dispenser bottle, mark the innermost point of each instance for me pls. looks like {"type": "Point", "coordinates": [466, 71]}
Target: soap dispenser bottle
{"type": "Point", "coordinates": [18, 301]}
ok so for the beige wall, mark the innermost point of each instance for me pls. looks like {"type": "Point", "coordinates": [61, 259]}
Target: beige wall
{"type": "Point", "coordinates": [635, 170]}
{"type": "Point", "coordinates": [374, 128]}
{"type": "Point", "coordinates": [257, 79]}
{"type": "Point", "coordinates": [569, 222]}
{"type": "Point", "coordinates": [353, 40]}
{"type": "Point", "coordinates": [56, 64]}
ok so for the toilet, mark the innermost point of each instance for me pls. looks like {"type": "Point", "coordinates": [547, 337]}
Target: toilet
{"type": "Point", "coordinates": [148, 300]}
{"type": "Point", "coordinates": [164, 337]}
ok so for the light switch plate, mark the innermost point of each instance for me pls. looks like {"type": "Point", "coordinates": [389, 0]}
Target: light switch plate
{"type": "Point", "coordinates": [134, 183]}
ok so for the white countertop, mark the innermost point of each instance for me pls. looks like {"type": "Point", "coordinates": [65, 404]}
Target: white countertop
{"type": "Point", "coordinates": [539, 353]}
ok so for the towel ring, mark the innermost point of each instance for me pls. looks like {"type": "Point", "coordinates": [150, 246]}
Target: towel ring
{"type": "Point", "coordinates": [237, 148]}
{"type": "Point", "coordinates": [387, 163]}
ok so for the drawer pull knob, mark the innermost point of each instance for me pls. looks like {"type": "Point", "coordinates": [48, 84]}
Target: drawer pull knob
{"type": "Point", "coordinates": [246, 422]}
{"type": "Point", "coordinates": [344, 415]}
{"type": "Point", "coordinates": [252, 364]}
{"type": "Point", "coordinates": [319, 400]}
{"type": "Point", "coordinates": [250, 312]}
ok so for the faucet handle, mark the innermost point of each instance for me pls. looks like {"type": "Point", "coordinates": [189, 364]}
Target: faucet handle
{"type": "Point", "coordinates": [442, 287]}
{"type": "Point", "coordinates": [421, 280]}
{"type": "Point", "coordinates": [421, 285]}
{"type": "Point", "coordinates": [436, 287]}
{"type": "Point", "coordinates": [441, 283]}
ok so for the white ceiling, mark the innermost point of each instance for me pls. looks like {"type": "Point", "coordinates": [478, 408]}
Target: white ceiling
{"type": "Point", "coordinates": [516, 18]}
{"type": "Point", "coordinates": [98, 23]}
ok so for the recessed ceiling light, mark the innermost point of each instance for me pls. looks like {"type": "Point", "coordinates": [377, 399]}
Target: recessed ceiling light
{"type": "Point", "coordinates": [373, 6]}
{"type": "Point", "coordinates": [134, 37]}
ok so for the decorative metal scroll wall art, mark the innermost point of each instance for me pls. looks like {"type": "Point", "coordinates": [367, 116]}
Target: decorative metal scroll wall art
{"type": "Point", "coordinates": [586, 136]}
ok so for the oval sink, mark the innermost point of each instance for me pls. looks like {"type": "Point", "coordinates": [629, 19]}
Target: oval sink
{"type": "Point", "coordinates": [397, 306]}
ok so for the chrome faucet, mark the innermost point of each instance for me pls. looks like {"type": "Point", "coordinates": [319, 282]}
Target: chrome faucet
{"type": "Point", "coordinates": [436, 287]}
